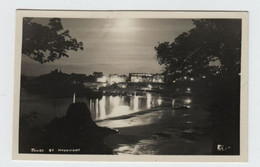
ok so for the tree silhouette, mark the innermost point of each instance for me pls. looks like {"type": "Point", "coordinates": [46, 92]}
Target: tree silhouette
{"type": "Point", "coordinates": [46, 43]}
{"type": "Point", "coordinates": [210, 40]}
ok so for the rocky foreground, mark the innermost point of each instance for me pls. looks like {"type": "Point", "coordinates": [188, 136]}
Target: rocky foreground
{"type": "Point", "coordinates": [75, 133]}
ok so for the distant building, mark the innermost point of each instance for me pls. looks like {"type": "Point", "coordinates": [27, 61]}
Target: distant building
{"type": "Point", "coordinates": [100, 77]}
{"type": "Point", "coordinates": [115, 78]}
{"type": "Point", "coordinates": [94, 85]}
{"type": "Point", "coordinates": [98, 74]}
{"type": "Point", "coordinates": [91, 85]}
{"type": "Point", "coordinates": [140, 77]}
{"type": "Point", "coordinates": [158, 78]}
{"type": "Point", "coordinates": [146, 77]}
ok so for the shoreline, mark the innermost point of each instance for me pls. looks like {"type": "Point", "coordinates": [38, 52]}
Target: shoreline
{"type": "Point", "coordinates": [164, 131]}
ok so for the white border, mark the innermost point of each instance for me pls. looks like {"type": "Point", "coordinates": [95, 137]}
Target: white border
{"type": "Point", "coordinates": [7, 81]}
{"type": "Point", "coordinates": [134, 14]}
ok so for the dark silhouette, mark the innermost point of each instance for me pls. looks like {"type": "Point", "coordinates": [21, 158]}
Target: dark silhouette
{"type": "Point", "coordinates": [75, 131]}
{"type": "Point", "coordinates": [58, 84]}
{"type": "Point", "coordinates": [225, 116]}
{"type": "Point", "coordinates": [210, 40]}
{"type": "Point", "coordinates": [46, 43]}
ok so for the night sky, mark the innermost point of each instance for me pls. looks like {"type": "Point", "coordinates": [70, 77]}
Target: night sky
{"type": "Point", "coordinates": [111, 46]}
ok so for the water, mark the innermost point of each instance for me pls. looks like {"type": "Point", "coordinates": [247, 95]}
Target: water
{"type": "Point", "coordinates": [114, 106]}
{"type": "Point", "coordinates": [175, 126]}
{"type": "Point", "coordinates": [107, 107]}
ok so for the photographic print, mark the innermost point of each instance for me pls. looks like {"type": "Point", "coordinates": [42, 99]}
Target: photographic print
{"type": "Point", "coordinates": [124, 84]}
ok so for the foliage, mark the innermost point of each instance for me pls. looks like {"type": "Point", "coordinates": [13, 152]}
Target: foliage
{"type": "Point", "coordinates": [46, 43]}
{"type": "Point", "coordinates": [210, 40]}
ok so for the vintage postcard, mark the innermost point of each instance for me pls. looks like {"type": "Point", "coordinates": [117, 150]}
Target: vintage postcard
{"type": "Point", "coordinates": [131, 86]}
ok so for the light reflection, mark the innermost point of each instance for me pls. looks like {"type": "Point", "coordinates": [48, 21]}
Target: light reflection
{"type": "Point", "coordinates": [188, 90]}
{"type": "Point", "coordinates": [102, 109]}
{"type": "Point", "coordinates": [187, 101]}
{"type": "Point", "coordinates": [149, 100]}
{"type": "Point", "coordinates": [135, 103]}
{"type": "Point", "coordinates": [96, 108]}
{"type": "Point", "coordinates": [159, 101]}
{"type": "Point", "coordinates": [92, 109]}
{"type": "Point", "coordinates": [137, 149]}
{"type": "Point", "coordinates": [90, 105]}
{"type": "Point", "coordinates": [113, 106]}
{"type": "Point", "coordinates": [145, 119]}
{"type": "Point", "coordinates": [115, 101]}
{"type": "Point", "coordinates": [120, 110]}
{"type": "Point", "coordinates": [150, 86]}
{"type": "Point", "coordinates": [124, 149]}
{"type": "Point", "coordinates": [173, 102]}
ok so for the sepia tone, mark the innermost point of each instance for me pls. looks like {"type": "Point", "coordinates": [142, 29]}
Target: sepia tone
{"type": "Point", "coordinates": [132, 86]}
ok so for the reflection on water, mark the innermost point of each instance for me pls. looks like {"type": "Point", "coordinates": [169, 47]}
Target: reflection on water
{"type": "Point", "coordinates": [113, 106]}
{"type": "Point", "coordinates": [149, 100]}
{"type": "Point", "coordinates": [106, 107]}
{"type": "Point", "coordinates": [143, 147]}
{"type": "Point", "coordinates": [159, 101]}
{"type": "Point", "coordinates": [187, 101]}
{"type": "Point", "coordinates": [143, 119]}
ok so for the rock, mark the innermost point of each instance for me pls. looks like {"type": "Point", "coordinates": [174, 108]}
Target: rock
{"type": "Point", "coordinates": [77, 130]}
{"type": "Point", "coordinates": [78, 114]}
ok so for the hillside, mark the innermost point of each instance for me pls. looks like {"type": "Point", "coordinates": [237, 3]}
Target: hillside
{"type": "Point", "coordinates": [58, 84]}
